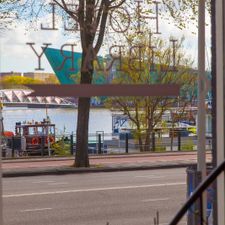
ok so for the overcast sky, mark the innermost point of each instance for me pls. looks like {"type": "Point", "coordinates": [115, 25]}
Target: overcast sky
{"type": "Point", "coordinates": [18, 57]}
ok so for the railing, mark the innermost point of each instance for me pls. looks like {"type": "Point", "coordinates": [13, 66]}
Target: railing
{"type": "Point", "coordinates": [197, 194]}
{"type": "Point", "coordinates": [105, 143]}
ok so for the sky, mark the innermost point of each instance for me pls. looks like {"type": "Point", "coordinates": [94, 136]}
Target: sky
{"type": "Point", "coordinates": [17, 56]}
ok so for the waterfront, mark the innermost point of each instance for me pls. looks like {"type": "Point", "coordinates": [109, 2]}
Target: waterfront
{"type": "Point", "coordinates": [64, 119]}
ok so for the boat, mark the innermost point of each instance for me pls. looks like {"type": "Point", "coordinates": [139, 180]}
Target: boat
{"type": "Point", "coordinates": [35, 135]}
{"type": "Point", "coordinates": [121, 124]}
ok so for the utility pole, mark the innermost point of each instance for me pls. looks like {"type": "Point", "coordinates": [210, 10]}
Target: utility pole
{"type": "Point", "coordinates": [201, 167]}
{"type": "Point", "coordinates": [220, 105]}
{"type": "Point", "coordinates": [1, 134]}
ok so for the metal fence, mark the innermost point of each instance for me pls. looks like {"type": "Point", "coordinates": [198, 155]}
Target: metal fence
{"type": "Point", "coordinates": [105, 143]}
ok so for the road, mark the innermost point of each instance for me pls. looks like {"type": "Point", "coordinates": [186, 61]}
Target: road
{"type": "Point", "coordinates": [120, 198]}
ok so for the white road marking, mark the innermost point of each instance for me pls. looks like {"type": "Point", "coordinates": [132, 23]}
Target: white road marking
{"type": "Point", "coordinates": [42, 181]}
{"type": "Point", "coordinates": [155, 200]}
{"type": "Point", "coordinates": [150, 176]}
{"type": "Point", "coordinates": [59, 183]}
{"type": "Point", "coordinates": [91, 190]}
{"type": "Point", "coordinates": [35, 210]}
{"type": "Point", "coordinates": [185, 223]}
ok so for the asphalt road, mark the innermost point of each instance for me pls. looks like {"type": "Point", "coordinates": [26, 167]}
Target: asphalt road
{"type": "Point", "coordinates": [120, 198]}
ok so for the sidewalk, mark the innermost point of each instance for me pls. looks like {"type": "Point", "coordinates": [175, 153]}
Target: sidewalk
{"type": "Point", "coordinates": [100, 163]}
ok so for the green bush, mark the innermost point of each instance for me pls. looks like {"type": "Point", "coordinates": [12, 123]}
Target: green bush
{"type": "Point", "coordinates": [187, 147]}
{"type": "Point", "coordinates": [160, 149]}
{"type": "Point", "coordinates": [61, 148]}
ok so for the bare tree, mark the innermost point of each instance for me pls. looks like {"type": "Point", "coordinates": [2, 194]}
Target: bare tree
{"type": "Point", "coordinates": [91, 17]}
{"type": "Point", "coordinates": [146, 113]}
{"type": "Point", "coordinates": [6, 15]}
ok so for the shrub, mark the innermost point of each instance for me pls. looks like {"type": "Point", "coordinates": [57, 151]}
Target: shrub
{"type": "Point", "coordinates": [160, 149]}
{"type": "Point", "coordinates": [61, 148]}
{"type": "Point", "coordinates": [187, 147]}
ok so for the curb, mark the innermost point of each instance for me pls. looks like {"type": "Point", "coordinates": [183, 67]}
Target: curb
{"type": "Point", "coordinates": [71, 170]}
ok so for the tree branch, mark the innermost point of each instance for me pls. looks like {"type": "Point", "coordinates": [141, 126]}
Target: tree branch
{"type": "Point", "coordinates": [66, 9]}
{"type": "Point", "coordinates": [102, 29]}
{"type": "Point", "coordinates": [117, 5]}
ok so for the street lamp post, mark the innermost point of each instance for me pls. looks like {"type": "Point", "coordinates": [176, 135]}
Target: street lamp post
{"type": "Point", "coordinates": [201, 89]}
{"type": "Point", "coordinates": [201, 167]}
{"type": "Point", "coordinates": [219, 44]}
{"type": "Point", "coordinates": [1, 133]}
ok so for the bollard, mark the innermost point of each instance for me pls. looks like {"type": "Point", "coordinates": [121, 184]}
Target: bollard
{"type": "Point", "coordinates": [126, 142]}
{"type": "Point", "coordinates": [13, 147]}
{"type": "Point", "coordinates": [42, 145]}
{"type": "Point", "coordinates": [99, 144]}
{"type": "Point", "coordinates": [179, 140]}
{"type": "Point", "coordinates": [153, 141]}
{"type": "Point", "coordinates": [71, 144]}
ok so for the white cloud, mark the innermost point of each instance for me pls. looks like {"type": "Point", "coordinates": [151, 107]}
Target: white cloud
{"type": "Point", "coordinates": [16, 55]}
{"type": "Point", "coordinates": [191, 38]}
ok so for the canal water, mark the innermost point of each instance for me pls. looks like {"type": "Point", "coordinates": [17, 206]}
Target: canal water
{"type": "Point", "coordinates": [64, 119]}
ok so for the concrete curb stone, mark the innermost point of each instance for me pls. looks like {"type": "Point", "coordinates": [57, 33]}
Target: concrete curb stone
{"type": "Point", "coordinates": [72, 170]}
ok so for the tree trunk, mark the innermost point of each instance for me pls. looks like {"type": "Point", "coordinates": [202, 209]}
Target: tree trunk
{"type": "Point", "coordinates": [171, 133]}
{"type": "Point", "coordinates": [82, 159]}
{"type": "Point", "coordinates": [147, 141]}
{"type": "Point", "coordinates": [140, 143]}
{"type": "Point", "coordinates": [171, 139]}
